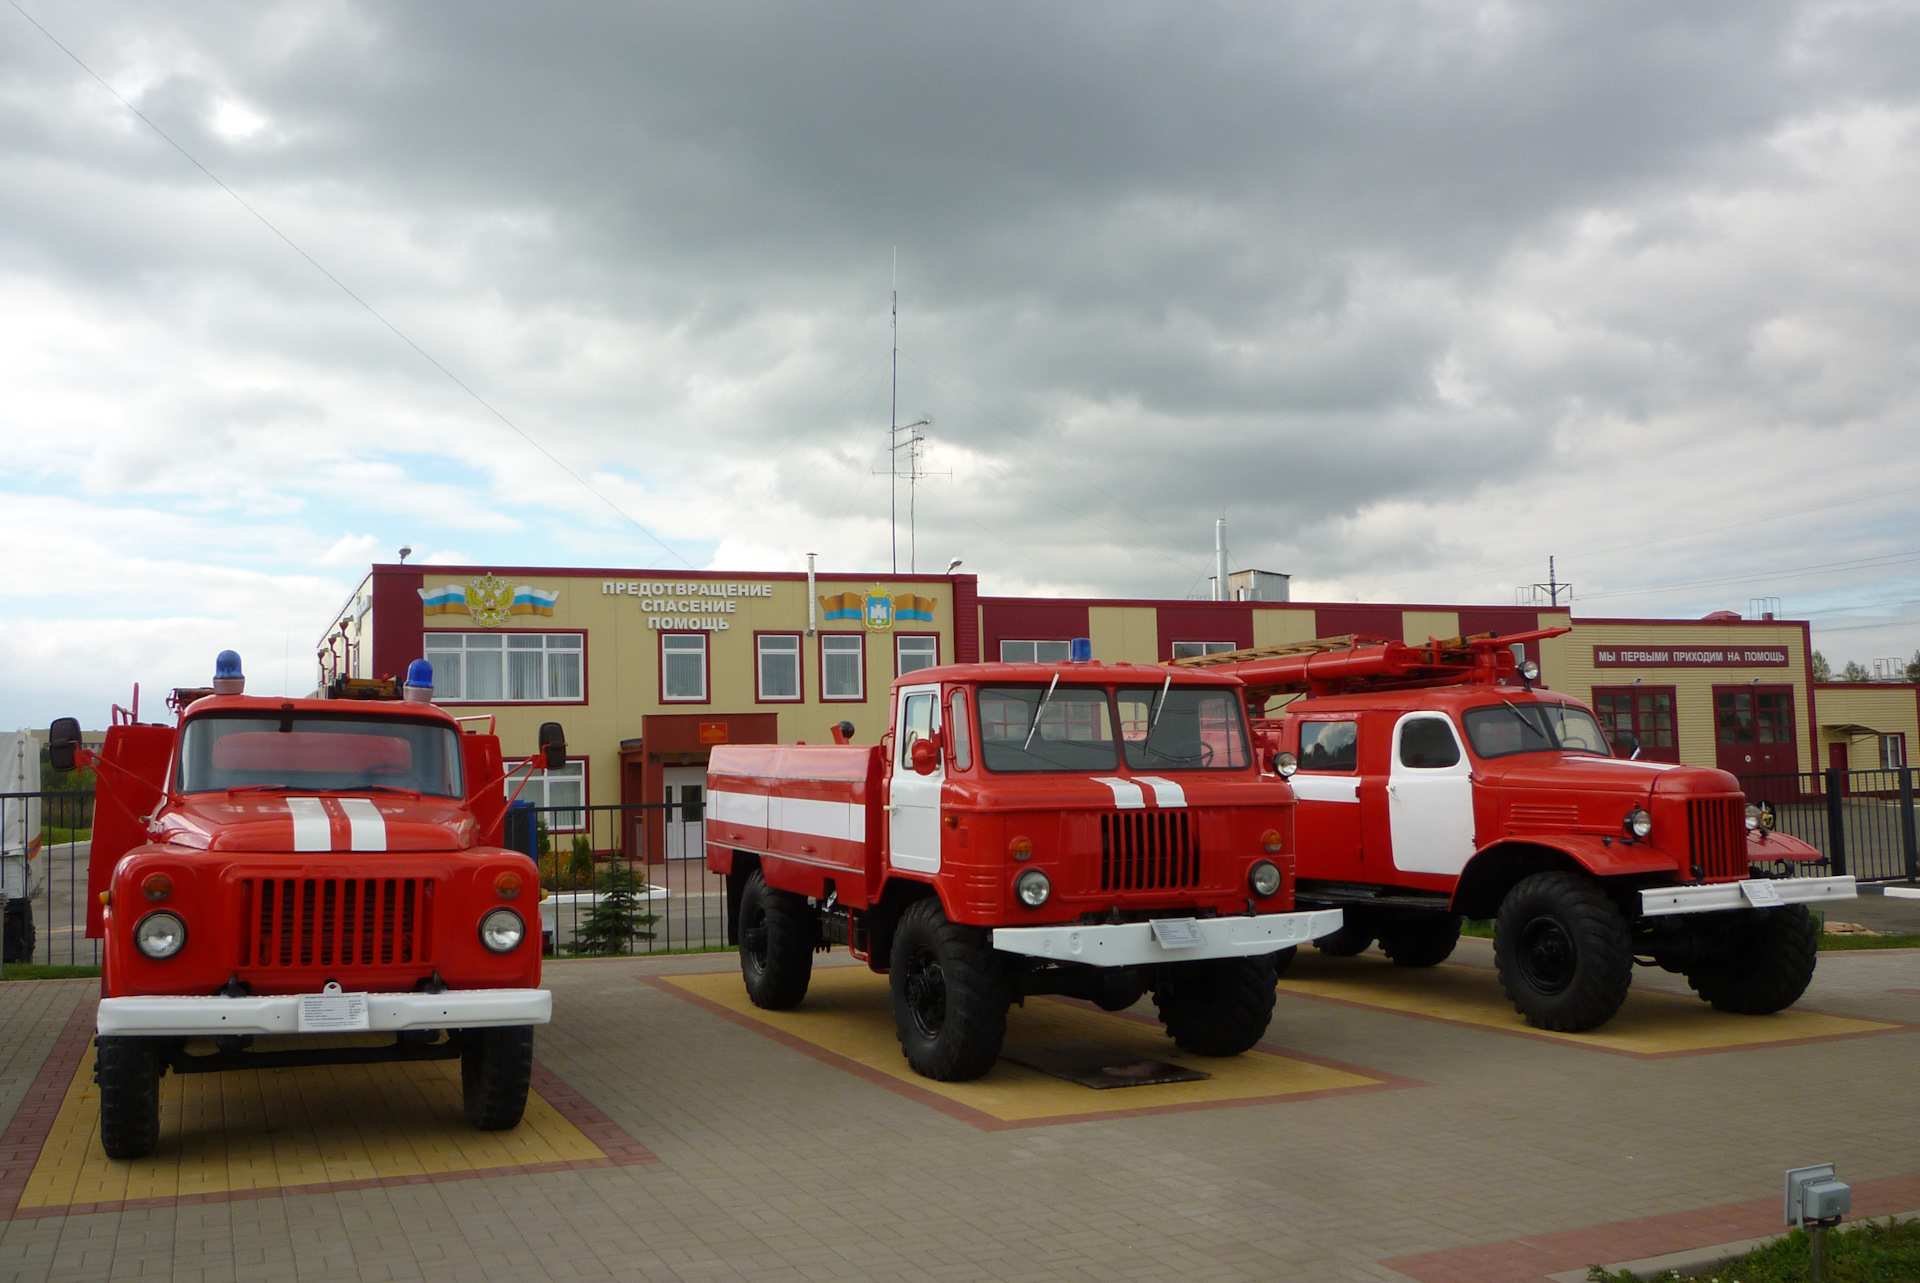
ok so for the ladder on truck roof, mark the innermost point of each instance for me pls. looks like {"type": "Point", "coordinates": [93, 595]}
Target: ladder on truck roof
{"type": "Point", "coordinates": [1338, 665]}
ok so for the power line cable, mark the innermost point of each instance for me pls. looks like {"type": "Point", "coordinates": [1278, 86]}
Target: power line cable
{"type": "Point", "coordinates": [371, 309]}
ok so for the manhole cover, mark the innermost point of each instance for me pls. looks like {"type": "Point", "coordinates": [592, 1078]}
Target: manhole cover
{"type": "Point", "coordinates": [1101, 1067]}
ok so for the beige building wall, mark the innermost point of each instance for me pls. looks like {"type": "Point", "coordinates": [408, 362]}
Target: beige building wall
{"type": "Point", "coordinates": [1568, 666]}
{"type": "Point", "coordinates": [1124, 634]}
{"type": "Point", "coordinates": [1280, 626]}
{"type": "Point", "coordinates": [622, 662]}
{"type": "Point", "coordinates": [1857, 715]}
{"type": "Point", "coordinates": [1418, 625]}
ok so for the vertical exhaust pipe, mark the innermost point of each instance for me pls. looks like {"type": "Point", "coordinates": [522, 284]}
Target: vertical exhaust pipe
{"type": "Point", "coordinates": [1220, 590]}
{"type": "Point", "coordinates": [813, 598]}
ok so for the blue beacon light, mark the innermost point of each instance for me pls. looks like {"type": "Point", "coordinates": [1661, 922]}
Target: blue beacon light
{"type": "Point", "coordinates": [227, 677]}
{"type": "Point", "coordinates": [420, 682]}
{"type": "Point", "coordinates": [1080, 650]}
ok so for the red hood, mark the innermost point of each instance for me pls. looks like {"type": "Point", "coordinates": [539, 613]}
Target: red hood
{"type": "Point", "coordinates": [263, 821]}
{"type": "Point", "coordinates": [1584, 773]}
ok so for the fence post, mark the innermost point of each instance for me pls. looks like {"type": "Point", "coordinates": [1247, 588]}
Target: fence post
{"type": "Point", "coordinates": [1836, 780]}
{"type": "Point", "coordinates": [1907, 843]}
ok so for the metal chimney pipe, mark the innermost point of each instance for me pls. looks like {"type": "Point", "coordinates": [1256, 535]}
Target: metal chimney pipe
{"type": "Point", "coordinates": [1220, 590]}
{"type": "Point", "coordinates": [813, 599]}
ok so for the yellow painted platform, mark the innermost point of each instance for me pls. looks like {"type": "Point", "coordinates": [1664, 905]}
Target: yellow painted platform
{"type": "Point", "coordinates": [265, 1129]}
{"type": "Point", "coordinates": [847, 1019]}
{"type": "Point", "coordinates": [1651, 1023]}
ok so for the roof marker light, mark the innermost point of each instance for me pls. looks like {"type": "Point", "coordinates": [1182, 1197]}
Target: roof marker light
{"type": "Point", "coordinates": [1080, 650]}
{"type": "Point", "coordinates": [227, 677]}
{"type": "Point", "coordinates": [420, 682]}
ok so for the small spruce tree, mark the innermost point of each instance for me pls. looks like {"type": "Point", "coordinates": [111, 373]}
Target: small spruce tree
{"type": "Point", "coordinates": [618, 918]}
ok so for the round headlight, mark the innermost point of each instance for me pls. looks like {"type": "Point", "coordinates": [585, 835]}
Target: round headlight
{"type": "Point", "coordinates": [1033, 888]}
{"type": "Point", "coordinates": [502, 930]}
{"type": "Point", "coordinates": [1285, 764]}
{"type": "Point", "coordinates": [1753, 817]}
{"type": "Point", "coordinates": [1264, 878]}
{"type": "Point", "coordinates": [1530, 670]}
{"type": "Point", "coordinates": [1638, 823]}
{"type": "Point", "coordinates": [160, 935]}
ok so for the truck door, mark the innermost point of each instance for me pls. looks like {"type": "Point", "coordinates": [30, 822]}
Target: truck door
{"type": "Point", "coordinates": [1326, 792]}
{"type": "Point", "coordinates": [1429, 796]}
{"type": "Point", "coordinates": [913, 800]}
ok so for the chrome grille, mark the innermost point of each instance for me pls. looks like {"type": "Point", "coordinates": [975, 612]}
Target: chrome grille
{"type": "Point", "coordinates": [1148, 851]}
{"type": "Point", "coordinates": [1717, 837]}
{"type": "Point", "coordinates": [335, 922]}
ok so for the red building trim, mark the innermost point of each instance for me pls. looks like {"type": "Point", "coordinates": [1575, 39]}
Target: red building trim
{"type": "Point", "coordinates": [1025, 619]}
{"type": "Point", "coordinates": [1202, 621]}
{"type": "Point", "coordinates": [399, 619]}
{"type": "Point", "coordinates": [966, 619]}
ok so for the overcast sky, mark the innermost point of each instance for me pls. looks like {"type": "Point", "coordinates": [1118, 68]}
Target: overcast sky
{"type": "Point", "coordinates": [1415, 295]}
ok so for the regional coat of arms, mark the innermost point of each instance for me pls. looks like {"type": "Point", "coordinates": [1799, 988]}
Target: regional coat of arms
{"type": "Point", "coordinates": [489, 601]}
{"type": "Point", "coordinates": [878, 615]}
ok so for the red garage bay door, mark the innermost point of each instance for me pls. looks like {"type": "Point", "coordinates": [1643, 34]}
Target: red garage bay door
{"type": "Point", "coordinates": [1753, 730]}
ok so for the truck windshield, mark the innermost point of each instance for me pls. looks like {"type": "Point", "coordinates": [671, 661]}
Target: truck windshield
{"type": "Point", "coordinates": [1500, 730]}
{"type": "Point", "coordinates": [1072, 732]}
{"type": "Point", "coordinates": [1182, 729]}
{"type": "Point", "coordinates": [317, 753]}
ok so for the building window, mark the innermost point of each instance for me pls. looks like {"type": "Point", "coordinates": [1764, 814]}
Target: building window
{"type": "Point", "coordinates": [1638, 714]}
{"type": "Point", "coordinates": [1033, 652]}
{"type": "Point", "coordinates": [843, 666]}
{"type": "Point", "coordinates": [1753, 717]}
{"type": "Point", "coordinates": [1192, 650]}
{"type": "Point", "coordinates": [564, 788]}
{"type": "Point", "coordinates": [1893, 752]}
{"type": "Point", "coordinates": [505, 668]}
{"type": "Point", "coordinates": [914, 652]}
{"type": "Point", "coordinates": [779, 666]}
{"type": "Point", "coordinates": [683, 667]}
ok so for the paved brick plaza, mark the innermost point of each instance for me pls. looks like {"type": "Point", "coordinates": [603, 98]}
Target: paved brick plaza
{"type": "Point", "coordinates": [1410, 1136]}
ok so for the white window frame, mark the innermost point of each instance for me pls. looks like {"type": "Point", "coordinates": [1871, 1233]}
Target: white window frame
{"type": "Point", "coordinates": [1017, 651]}
{"type": "Point", "coordinates": [1197, 649]}
{"type": "Point", "coordinates": [438, 644]}
{"type": "Point", "coordinates": [1893, 751]}
{"type": "Point", "coordinates": [761, 653]}
{"type": "Point", "coordinates": [539, 793]}
{"type": "Point", "coordinates": [900, 640]}
{"type": "Point", "coordinates": [700, 648]}
{"type": "Point", "coordinates": [859, 651]}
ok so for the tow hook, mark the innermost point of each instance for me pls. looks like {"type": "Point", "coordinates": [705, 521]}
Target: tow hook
{"type": "Point", "coordinates": [432, 984]}
{"type": "Point", "coordinates": [235, 988]}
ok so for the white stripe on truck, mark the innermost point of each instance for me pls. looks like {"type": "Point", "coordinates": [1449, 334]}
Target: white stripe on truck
{"type": "Point", "coordinates": [367, 831]}
{"type": "Point", "coordinates": [312, 830]}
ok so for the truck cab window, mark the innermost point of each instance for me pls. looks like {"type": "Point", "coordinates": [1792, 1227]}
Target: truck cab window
{"type": "Point", "coordinates": [957, 730]}
{"type": "Point", "coordinates": [1022, 728]}
{"type": "Point", "coordinates": [318, 754]}
{"type": "Point", "coordinates": [916, 723]}
{"type": "Point", "coordinates": [1427, 743]}
{"type": "Point", "coordinates": [1506, 728]}
{"type": "Point", "coordinates": [1181, 728]}
{"type": "Point", "coordinates": [1329, 746]}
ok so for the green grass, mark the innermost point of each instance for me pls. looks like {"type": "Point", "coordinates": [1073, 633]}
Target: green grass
{"type": "Point", "coordinates": [1868, 1252]}
{"type": "Point", "coordinates": [1481, 927]}
{"type": "Point", "coordinates": [43, 971]}
{"type": "Point", "coordinates": [53, 835]}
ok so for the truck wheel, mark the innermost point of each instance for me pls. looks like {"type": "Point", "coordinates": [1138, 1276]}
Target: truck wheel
{"type": "Point", "coordinates": [1351, 940]}
{"type": "Point", "coordinates": [495, 1068]}
{"type": "Point", "coordinates": [776, 945]}
{"type": "Point", "coordinates": [1117, 988]}
{"type": "Point", "coordinates": [950, 995]}
{"type": "Point", "coordinates": [1564, 952]}
{"type": "Point", "coordinates": [1768, 966]}
{"type": "Point", "coordinates": [128, 1072]}
{"type": "Point", "coordinates": [1219, 1007]}
{"type": "Point", "coordinates": [1425, 941]}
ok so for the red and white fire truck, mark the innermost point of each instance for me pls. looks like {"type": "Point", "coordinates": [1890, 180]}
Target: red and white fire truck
{"type": "Point", "coordinates": [306, 881]}
{"type": "Point", "coordinates": [1095, 830]}
{"type": "Point", "coordinates": [1435, 782]}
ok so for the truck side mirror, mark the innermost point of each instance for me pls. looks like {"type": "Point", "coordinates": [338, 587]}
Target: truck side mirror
{"type": "Point", "coordinates": [553, 745]}
{"type": "Point", "coordinates": [843, 732]}
{"type": "Point", "coordinates": [63, 739]}
{"type": "Point", "coordinates": [924, 755]}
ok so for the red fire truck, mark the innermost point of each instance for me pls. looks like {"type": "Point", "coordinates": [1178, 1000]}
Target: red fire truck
{"type": "Point", "coordinates": [1096, 830]}
{"type": "Point", "coordinates": [306, 881]}
{"type": "Point", "coordinates": [1435, 782]}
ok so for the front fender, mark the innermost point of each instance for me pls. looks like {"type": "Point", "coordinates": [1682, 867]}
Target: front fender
{"type": "Point", "coordinates": [1780, 846]}
{"type": "Point", "coordinates": [1489, 874]}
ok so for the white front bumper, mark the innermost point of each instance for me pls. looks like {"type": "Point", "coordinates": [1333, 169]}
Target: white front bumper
{"type": "Point", "coordinates": [1130, 944]}
{"type": "Point", "coordinates": [386, 1012]}
{"type": "Point", "coordinates": [1666, 901]}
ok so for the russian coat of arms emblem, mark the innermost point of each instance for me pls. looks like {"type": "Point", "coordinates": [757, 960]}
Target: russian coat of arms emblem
{"type": "Point", "coordinates": [489, 601]}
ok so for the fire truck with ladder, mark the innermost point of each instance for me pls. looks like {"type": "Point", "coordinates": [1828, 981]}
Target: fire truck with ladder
{"type": "Point", "coordinates": [1094, 830]}
{"type": "Point", "coordinates": [1435, 782]}
{"type": "Point", "coordinates": [286, 882]}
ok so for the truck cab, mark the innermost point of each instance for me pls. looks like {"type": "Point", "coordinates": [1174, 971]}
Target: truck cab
{"type": "Point", "coordinates": [275, 880]}
{"type": "Point", "coordinates": [1097, 830]}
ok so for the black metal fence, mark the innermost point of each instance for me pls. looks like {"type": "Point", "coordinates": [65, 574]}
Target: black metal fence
{"type": "Point", "coordinates": [44, 845]}
{"type": "Point", "coordinates": [1862, 821]}
{"type": "Point", "coordinates": [624, 879]}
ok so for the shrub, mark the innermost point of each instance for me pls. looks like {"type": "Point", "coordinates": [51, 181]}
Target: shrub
{"type": "Point", "coordinates": [619, 917]}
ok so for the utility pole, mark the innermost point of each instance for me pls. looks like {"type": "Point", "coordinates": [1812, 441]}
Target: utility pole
{"type": "Point", "coordinates": [1551, 590]}
{"type": "Point", "coordinates": [893, 426]}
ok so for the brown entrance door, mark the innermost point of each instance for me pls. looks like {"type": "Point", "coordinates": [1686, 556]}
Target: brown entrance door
{"type": "Point", "coordinates": [1753, 730]}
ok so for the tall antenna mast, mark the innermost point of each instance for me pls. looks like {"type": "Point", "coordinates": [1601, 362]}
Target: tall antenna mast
{"type": "Point", "coordinates": [1547, 594]}
{"type": "Point", "coordinates": [893, 426]}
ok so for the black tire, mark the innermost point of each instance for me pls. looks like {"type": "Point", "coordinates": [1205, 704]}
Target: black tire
{"type": "Point", "coordinates": [1564, 952]}
{"type": "Point", "coordinates": [1220, 1007]}
{"type": "Point", "coordinates": [1282, 960]}
{"type": "Point", "coordinates": [950, 995]}
{"type": "Point", "coordinates": [1768, 967]}
{"type": "Point", "coordinates": [777, 934]}
{"type": "Point", "coordinates": [496, 1068]}
{"type": "Point", "coordinates": [1351, 940]}
{"type": "Point", "coordinates": [1423, 941]}
{"type": "Point", "coordinates": [1117, 988]}
{"type": "Point", "coordinates": [128, 1071]}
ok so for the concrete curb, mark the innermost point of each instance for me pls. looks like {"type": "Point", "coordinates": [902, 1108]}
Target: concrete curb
{"type": "Point", "coordinates": [1696, 1260]}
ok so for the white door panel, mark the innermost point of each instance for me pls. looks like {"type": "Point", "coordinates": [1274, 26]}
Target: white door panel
{"type": "Point", "coordinates": [1430, 808]}
{"type": "Point", "coordinates": [914, 800]}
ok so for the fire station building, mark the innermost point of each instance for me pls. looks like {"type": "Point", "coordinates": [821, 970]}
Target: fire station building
{"type": "Point", "coordinates": [648, 669]}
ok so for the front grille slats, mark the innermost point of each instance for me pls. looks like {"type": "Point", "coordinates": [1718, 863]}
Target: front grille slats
{"type": "Point", "coordinates": [334, 922]}
{"type": "Point", "coordinates": [1717, 837]}
{"type": "Point", "coordinates": [1148, 851]}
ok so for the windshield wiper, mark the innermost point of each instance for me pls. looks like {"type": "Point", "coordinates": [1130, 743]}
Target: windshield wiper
{"type": "Point", "coordinates": [265, 788]}
{"type": "Point", "coordinates": [1544, 728]}
{"type": "Point", "coordinates": [1040, 708]}
{"type": "Point", "coordinates": [384, 788]}
{"type": "Point", "coordinates": [1161, 707]}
